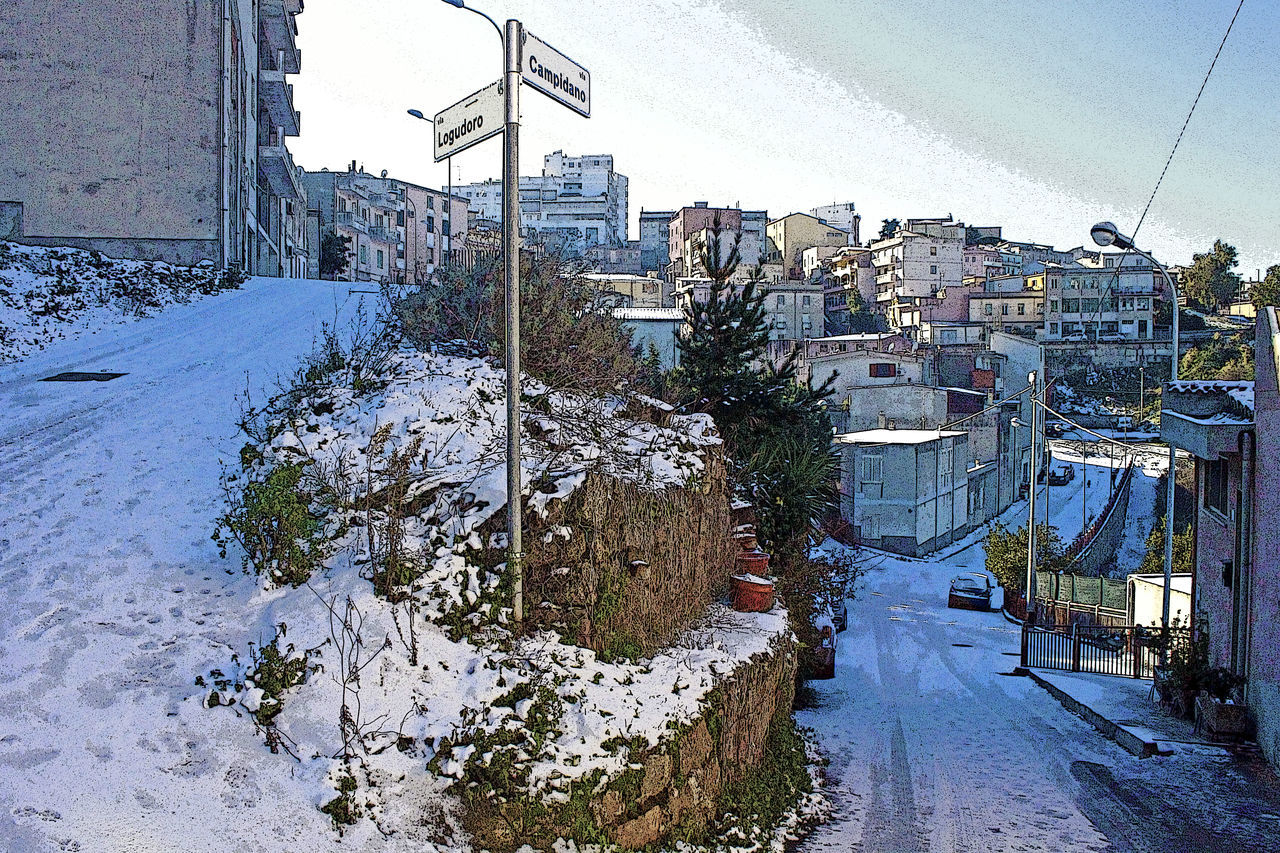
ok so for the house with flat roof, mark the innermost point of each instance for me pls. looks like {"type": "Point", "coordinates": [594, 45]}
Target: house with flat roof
{"type": "Point", "coordinates": [905, 490]}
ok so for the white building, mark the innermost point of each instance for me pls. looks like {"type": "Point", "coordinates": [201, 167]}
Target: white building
{"type": "Point", "coordinates": [923, 259]}
{"type": "Point", "coordinates": [577, 202]}
{"type": "Point", "coordinates": [905, 490]}
{"type": "Point", "coordinates": [842, 216]}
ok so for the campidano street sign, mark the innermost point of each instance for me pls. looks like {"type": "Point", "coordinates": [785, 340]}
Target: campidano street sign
{"type": "Point", "coordinates": [470, 121]}
{"type": "Point", "coordinates": [556, 75]}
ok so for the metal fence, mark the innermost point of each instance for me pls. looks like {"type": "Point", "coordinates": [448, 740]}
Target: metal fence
{"type": "Point", "coordinates": [1101, 598]}
{"type": "Point", "coordinates": [1127, 650]}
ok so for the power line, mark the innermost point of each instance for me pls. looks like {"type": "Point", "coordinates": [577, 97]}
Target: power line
{"type": "Point", "coordinates": [1134, 237]}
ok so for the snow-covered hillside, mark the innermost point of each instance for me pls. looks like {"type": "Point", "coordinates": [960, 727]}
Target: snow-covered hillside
{"type": "Point", "coordinates": [121, 618]}
{"type": "Point", "coordinates": [51, 294]}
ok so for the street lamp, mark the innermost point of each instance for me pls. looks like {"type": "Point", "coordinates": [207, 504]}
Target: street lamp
{"type": "Point", "coordinates": [1106, 234]}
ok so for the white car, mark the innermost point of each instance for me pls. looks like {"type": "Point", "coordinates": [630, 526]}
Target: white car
{"type": "Point", "coordinates": [970, 592]}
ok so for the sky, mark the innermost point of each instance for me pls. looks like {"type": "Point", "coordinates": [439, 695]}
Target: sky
{"type": "Point", "coordinates": [1043, 117]}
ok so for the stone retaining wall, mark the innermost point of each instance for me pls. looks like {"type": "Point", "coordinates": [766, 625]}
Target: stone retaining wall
{"type": "Point", "coordinates": [677, 785]}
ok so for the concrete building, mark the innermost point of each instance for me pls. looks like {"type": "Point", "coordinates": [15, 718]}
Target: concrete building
{"type": "Point", "coordinates": [654, 236]}
{"type": "Point", "coordinates": [654, 329]}
{"type": "Point", "coordinates": [1021, 312]}
{"type": "Point", "coordinates": [1089, 303]}
{"type": "Point", "coordinates": [1232, 429]}
{"type": "Point", "coordinates": [688, 231]}
{"type": "Point", "coordinates": [151, 131]}
{"type": "Point", "coordinates": [576, 203]}
{"type": "Point", "coordinates": [919, 261]}
{"type": "Point", "coordinates": [845, 273]}
{"type": "Point", "coordinates": [399, 232]}
{"type": "Point", "coordinates": [792, 234]}
{"type": "Point", "coordinates": [842, 216]}
{"type": "Point", "coordinates": [631, 291]}
{"type": "Point", "coordinates": [793, 308]}
{"type": "Point", "coordinates": [616, 260]}
{"type": "Point", "coordinates": [905, 490]}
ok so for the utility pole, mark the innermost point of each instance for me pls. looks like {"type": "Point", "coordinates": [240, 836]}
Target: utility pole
{"type": "Point", "coordinates": [1031, 501]}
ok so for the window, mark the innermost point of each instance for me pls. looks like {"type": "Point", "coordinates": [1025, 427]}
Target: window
{"type": "Point", "coordinates": [933, 269]}
{"type": "Point", "coordinates": [1142, 328]}
{"type": "Point", "coordinates": [342, 205]}
{"type": "Point", "coordinates": [1053, 328]}
{"type": "Point", "coordinates": [944, 467]}
{"type": "Point", "coordinates": [933, 250]}
{"type": "Point", "coordinates": [444, 226]}
{"type": "Point", "coordinates": [431, 202]}
{"type": "Point", "coordinates": [431, 223]}
{"type": "Point", "coordinates": [1004, 309]}
{"type": "Point", "coordinates": [986, 309]}
{"type": "Point", "coordinates": [1215, 485]}
{"type": "Point", "coordinates": [781, 302]}
{"type": "Point", "coordinates": [364, 254]}
{"type": "Point", "coordinates": [1053, 305]}
{"type": "Point", "coordinates": [1089, 306]}
{"type": "Point", "coordinates": [873, 468]}
{"type": "Point", "coordinates": [882, 370]}
{"type": "Point", "coordinates": [806, 323]}
{"type": "Point", "coordinates": [805, 302]}
{"type": "Point", "coordinates": [1022, 309]}
{"type": "Point", "coordinates": [399, 217]}
{"type": "Point", "coordinates": [1071, 306]}
{"type": "Point", "coordinates": [1143, 305]}
{"type": "Point", "coordinates": [381, 256]}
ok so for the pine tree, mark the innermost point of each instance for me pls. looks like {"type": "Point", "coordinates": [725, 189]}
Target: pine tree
{"type": "Point", "coordinates": [1267, 291]}
{"type": "Point", "coordinates": [1210, 281]}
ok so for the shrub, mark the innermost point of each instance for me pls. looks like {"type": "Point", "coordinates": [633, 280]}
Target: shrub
{"type": "Point", "coordinates": [1007, 554]}
{"type": "Point", "coordinates": [270, 518]}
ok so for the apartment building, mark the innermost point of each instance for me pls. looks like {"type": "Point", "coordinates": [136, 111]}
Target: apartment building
{"type": "Point", "coordinates": [1096, 303]}
{"type": "Point", "coordinates": [689, 230]}
{"type": "Point", "coordinates": [842, 216]}
{"type": "Point", "coordinates": [1020, 312]}
{"type": "Point", "coordinates": [654, 236]}
{"type": "Point", "coordinates": [578, 202]}
{"type": "Point", "coordinates": [434, 230]}
{"type": "Point", "coordinates": [792, 234]}
{"type": "Point", "coordinates": [151, 131]}
{"type": "Point", "coordinates": [918, 261]}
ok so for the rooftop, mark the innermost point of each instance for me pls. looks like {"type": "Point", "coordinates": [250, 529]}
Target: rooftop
{"type": "Point", "coordinates": [896, 436]}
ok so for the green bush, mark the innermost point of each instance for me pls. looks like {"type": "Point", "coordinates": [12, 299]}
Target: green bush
{"type": "Point", "coordinates": [270, 518]}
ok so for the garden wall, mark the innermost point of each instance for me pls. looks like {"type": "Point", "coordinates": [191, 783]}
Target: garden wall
{"type": "Point", "coordinates": [636, 567]}
{"type": "Point", "coordinates": [674, 788]}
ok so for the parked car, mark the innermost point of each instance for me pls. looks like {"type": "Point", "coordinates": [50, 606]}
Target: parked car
{"type": "Point", "coordinates": [970, 592]}
{"type": "Point", "coordinates": [1056, 429]}
{"type": "Point", "coordinates": [1061, 478]}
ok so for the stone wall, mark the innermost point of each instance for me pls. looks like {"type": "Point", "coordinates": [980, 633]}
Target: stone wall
{"type": "Point", "coordinates": [675, 786]}
{"type": "Point", "coordinates": [637, 566]}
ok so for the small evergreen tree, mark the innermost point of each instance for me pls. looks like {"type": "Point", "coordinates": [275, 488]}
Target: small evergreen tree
{"type": "Point", "coordinates": [333, 254]}
{"type": "Point", "coordinates": [1153, 560]}
{"type": "Point", "coordinates": [888, 227]}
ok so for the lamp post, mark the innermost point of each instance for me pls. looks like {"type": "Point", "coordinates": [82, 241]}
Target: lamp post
{"type": "Point", "coordinates": [512, 46]}
{"type": "Point", "coordinates": [1106, 234]}
{"type": "Point", "coordinates": [1031, 505]}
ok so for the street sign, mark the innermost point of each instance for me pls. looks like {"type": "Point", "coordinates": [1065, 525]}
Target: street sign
{"type": "Point", "coordinates": [470, 121]}
{"type": "Point", "coordinates": [556, 75]}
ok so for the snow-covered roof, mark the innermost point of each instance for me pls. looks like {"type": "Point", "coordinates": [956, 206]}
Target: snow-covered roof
{"type": "Point", "coordinates": [1239, 391]}
{"type": "Point", "coordinates": [896, 436]}
{"type": "Point", "coordinates": [648, 313]}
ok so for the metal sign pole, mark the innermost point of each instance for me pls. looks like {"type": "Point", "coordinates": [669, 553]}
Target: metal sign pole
{"type": "Point", "coordinates": [511, 257]}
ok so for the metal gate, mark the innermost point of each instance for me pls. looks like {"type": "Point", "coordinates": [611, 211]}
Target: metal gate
{"type": "Point", "coordinates": [1127, 650]}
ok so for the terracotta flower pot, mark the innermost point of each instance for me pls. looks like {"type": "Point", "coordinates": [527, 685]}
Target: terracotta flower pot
{"type": "Point", "coordinates": [746, 541]}
{"type": "Point", "coordinates": [753, 562]}
{"type": "Point", "coordinates": [751, 593]}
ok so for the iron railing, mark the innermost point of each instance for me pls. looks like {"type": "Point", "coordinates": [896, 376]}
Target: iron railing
{"type": "Point", "coordinates": [1127, 650]}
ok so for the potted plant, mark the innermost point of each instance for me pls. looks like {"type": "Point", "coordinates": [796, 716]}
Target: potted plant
{"type": "Point", "coordinates": [1185, 669]}
{"type": "Point", "coordinates": [1217, 712]}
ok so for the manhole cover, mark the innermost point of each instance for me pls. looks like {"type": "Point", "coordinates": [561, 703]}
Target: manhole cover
{"type": "Point", "coordinates": [75, 376]}
{"type": "Point", "coordinates": [1012, 654]}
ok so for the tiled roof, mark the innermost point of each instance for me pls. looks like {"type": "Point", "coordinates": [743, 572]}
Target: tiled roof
{"type": "Point", "coordinates": [1241, 392]}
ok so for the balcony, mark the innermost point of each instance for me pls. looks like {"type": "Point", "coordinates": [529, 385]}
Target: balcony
{"type": "Point", "coordinates": [279, 32]}
{"type": "Point", "coordinates": [349, 220]}
{"type": "Point", "coordinates": [276, 165]}
{"type": "Point", "coordinates": [383, 235]}
{"type": "Point", "coordinates": [277, 96]}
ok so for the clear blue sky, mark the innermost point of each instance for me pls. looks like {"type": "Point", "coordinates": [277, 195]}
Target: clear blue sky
{"type": "Point", "coordinates": [1040, 116]}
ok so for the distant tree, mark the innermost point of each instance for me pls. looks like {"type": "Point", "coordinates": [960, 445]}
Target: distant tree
{"type": "Point", "coordinates": [1267, 291]}
{"type": "Point", "coordinates": [888, 227]}
{"type": "Point", "coordinates": [333, 254]}
{"type": "Point", "coordinates": [1153, 560]}
{"type": "Point", "coordinates": [1007, 554]}
{"type": "Point", "coordinates": [1229, 359]}
{"type": "Point", "coordinates": [1210, 281]}
{"type": "Point", "coordinates": [862, 320]}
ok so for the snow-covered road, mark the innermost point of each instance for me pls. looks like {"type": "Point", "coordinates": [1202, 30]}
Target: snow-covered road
{"type": "Point", "coordinates": [935, 746]}
{"type": "Point", "coordinates": [115, 597]}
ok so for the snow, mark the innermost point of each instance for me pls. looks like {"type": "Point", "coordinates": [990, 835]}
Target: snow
{"type": "Point", "coordinates": [117, 600]}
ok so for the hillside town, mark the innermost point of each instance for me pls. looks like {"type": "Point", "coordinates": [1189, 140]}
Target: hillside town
{"type": "Point", "coordinates": [344, 512]}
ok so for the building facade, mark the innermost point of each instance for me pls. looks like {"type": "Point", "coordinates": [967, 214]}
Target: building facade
{"type": "Point", "coordinates": [152, 131]}
{"type": "Point", "coordinates": [578, 202]}
{"type": "Point", "coordinates": [918, 262]}
{"type": "Point", "coordinates": [842, 216]}
{"type": "Point", "coordinates": [689, 230]}
{"type": "Point", "coordinates": [792, 234]}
